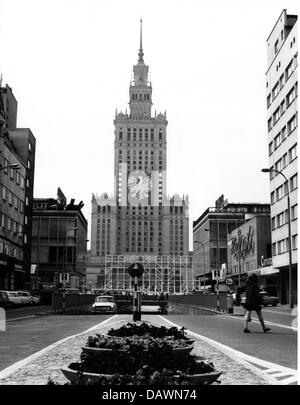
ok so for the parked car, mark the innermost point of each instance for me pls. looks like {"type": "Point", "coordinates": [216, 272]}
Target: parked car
{"type": "Point", "coordinates": [4, 300]}
{"type": "Point", "coordinates": [267, 299]}
{"type": "Point", "coordinates": [28, 298]}
{"type": "Point", "coordinates": [14, 297]}
{"type": "Point", "coordinates": [104, 303]}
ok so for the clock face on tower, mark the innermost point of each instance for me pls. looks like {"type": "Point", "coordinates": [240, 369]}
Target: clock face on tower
{"type": "Point", "coordinates": [139, 186]}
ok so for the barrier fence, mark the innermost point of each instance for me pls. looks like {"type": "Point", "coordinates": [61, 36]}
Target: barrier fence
{"type": "Point", "coordinates": [71, 301]}
{"type": "Point", "coordinates": [209, 301]}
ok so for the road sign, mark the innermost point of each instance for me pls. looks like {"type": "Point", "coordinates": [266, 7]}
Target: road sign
{"type": "Point", "coordinates": [64, 277]}
{"type": "Point", "coordinates": [135, 270]}
{"type": "Point", "coordinates": [215, 275]}
{"type": "Point", "coordinates": [228, 281]}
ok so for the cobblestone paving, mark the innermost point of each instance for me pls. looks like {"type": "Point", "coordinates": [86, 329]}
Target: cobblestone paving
{"type": "Point", "coordinates": [48, 365]}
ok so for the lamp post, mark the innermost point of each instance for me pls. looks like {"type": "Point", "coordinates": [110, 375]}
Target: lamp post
{"type": "Point", "coordinates": [204, 270]}
{"type": "Point", "coordinates": [74, 228]}
{"type": "Point", "coordinates": [291, 303]}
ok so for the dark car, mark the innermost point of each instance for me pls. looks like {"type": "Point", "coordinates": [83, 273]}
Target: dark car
{"type": "Point", "coordinates": [267, 299]}
{"type": "Point", "coordinates": [4, 300]}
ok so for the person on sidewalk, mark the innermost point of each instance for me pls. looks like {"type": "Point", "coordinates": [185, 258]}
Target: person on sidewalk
{"type": "Point", "coordinates": [253, 303]}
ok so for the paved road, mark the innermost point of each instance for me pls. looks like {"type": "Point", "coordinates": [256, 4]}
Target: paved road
{"type": "Point", "coordinates": [24, 312]}
{"type": "Point", "coordinates": [278, 346]}
{"type": "Point", "coordinates": [27, 333]}
{"type": "Point", "coordinates": [24, 337]}
{"type": "Point", "coordinates": [280, 315]}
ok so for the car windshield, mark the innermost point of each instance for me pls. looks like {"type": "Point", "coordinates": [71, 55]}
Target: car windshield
{"type": "Point", "coordinates": [104, 299]}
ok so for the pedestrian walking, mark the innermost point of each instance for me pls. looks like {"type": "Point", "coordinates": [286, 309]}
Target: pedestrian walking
{"type": "Point", "coordinates": [254, 302]}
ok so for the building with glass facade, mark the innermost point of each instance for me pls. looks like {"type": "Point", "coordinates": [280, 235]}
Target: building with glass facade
{"type": "Point", "coordinates": [59, 243]}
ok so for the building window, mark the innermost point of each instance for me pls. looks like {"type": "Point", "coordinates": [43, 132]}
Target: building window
{"type": "Point", "coordinates": [10, 198]}
{"type": "Point", "coordinates": [282, 107]}
{"type": "Point", "coordinates": [281, 246]}
{"type": "Point", "coordinates": [269, 100]}
{"type": "Point", "coordinates": [269, 124]}
{"type": "Point", "coordinates": [273, 223]}
{"type": "Point", "coordinates": [275, 90]}
{"type": "Point", "coordinates": [17, 177]}
{"type": "Point", "coordinates": [281, 81]}
{"type": "Point", "coordinates": [280, 220]}
{"type": "Point", "coordinates": [291, 125]}
{"type": "Point", "coordinates": [289, 70]}
{"type": "Point", "coordinates": [276, 141]}
{"type": "Point", "coordinates": [276, 46]}
{"type": "Point", "coordinates": [284, 160]}
{"type": "Point", "coordinates": [294, 212]}
{"type": "Point", "coordinates": [292, 153]}
{"type": "Point", "coordinates": [276, 116]}
{"type": "Point", "coordinates": [295, 242]}
{"type": "Point", "coordinates": [291, 96]}
{"type": "Point", "coordinates": [278, 165]}
{"type": "Point", "coordinates": [3, 193]}
{"type": "Point", "coordinates": [272, 197]}
{"type": "Point", "coordinates": [293, 182]}
{"type": "Point", "coordinates": [279, 193]}
{"type": "Point", "coordinates": [29, 146]}
{"type": "Point", "coordinates": [283, 133]}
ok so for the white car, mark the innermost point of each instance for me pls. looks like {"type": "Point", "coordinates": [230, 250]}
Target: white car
{"type": "Point", "coordinates": [27, 298]}
{"type": "Point", "coordinates": [14, 297]}
{"type": "Point", "coordinates": [104, 303]}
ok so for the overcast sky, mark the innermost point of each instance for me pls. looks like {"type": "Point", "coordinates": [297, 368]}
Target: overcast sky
{"type": "Point", "coordinates": [69, 64]}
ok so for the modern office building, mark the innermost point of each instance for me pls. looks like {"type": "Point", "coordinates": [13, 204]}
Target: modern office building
{"type": "Point", "coordinates": [59, 243]}
{"type": "Point", "coordinates": [282, 122]}
{"type": "Point", "coordinates": [140, 220]}
{"type": "Point", "coordinates": [210, 236]}
{"type": "Point", "coordinates": [17, 157]}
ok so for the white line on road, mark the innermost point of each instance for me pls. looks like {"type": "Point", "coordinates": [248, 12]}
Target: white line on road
{"type": "Point", "coordinates": [256, 320]}
{"type": "Point", "coordinates": [277, 312]}
{"type": "Point", "coordinates": [23, 317]}
{"type": "Point", "coordinates": [11, 369]}
{"type": "Point", "coordinates": [247, 359]}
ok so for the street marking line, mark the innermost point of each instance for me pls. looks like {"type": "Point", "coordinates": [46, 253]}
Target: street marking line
{"type": "Point", "coordinates": [11, 369]}
{"type": "Point", "coordinates": [243, 357]}
{"type": "Point", "coordinates": [291, 380]}
{"type": "Point", "coordinates": [277, 312]}
{"type": "Point", "coordinates": [23, 317]}
{"type": "Point", "coordinates": [256, 320]}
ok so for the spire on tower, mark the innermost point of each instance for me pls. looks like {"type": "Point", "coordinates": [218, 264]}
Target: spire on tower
{"type": "Point", "coordinates": [141, 53]}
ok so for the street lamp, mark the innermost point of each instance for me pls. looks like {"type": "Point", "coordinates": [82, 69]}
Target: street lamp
{"type": "Point", "coordinates": [291, 303]}
{"type": "Point", "coordinates": [13, 166]}
{"type": "Point", "coordinates": [74, 228]}
{"type": "Point", "coordinates": [202, 244]}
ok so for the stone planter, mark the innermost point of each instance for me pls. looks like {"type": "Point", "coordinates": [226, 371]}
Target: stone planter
{"type": "Point", "coordinates": [85, 377]}
{"type": "Point", "coordinates": [98, 351]}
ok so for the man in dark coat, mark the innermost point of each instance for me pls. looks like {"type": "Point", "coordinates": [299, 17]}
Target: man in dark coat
{"type": "Point", "coordinates": [253, 303]}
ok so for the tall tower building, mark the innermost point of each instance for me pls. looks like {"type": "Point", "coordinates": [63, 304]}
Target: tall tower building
{"type": "Point", "coordinates": [282, 115]}
{"type": "Point", "coordinates": [140, 220]}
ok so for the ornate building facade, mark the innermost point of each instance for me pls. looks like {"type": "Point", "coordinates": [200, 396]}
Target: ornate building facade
{"type": "Point", "coordinates": [140, 222]}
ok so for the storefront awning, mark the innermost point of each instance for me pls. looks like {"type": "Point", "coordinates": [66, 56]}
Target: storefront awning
{"type": "Point", "coordinates": [265, 271]}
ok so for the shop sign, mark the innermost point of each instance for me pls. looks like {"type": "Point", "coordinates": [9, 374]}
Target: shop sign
{"type": "Point", "coordinates": [241, 245]}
